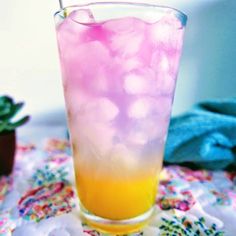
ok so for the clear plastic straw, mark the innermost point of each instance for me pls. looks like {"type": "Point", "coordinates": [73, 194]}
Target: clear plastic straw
{"type": "Point", "coordinates": [62, 8]}
{"type": "Point", "coordinates": [61, 4]}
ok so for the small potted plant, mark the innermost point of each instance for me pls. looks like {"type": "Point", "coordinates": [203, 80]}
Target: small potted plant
{"type": "Point", "coordinates": [8, 110]}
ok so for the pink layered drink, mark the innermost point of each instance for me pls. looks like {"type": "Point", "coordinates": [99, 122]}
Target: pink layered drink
{"type": "Point", "coordinates": [119, 78]}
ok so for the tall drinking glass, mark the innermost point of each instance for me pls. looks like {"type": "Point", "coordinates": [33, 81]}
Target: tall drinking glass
{"type": "Point", "coordinates": [119, 66]}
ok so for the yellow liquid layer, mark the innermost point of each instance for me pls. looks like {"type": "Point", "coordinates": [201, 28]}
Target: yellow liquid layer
{"type": "Point", "coordinates": [116, 198]}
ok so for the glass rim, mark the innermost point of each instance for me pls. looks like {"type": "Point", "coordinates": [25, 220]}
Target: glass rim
{"type": "Point", "coordinates": [179, 14]}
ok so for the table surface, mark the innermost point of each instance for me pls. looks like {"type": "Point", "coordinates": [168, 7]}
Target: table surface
{"type": "Point", "coordinates": [39, 198]}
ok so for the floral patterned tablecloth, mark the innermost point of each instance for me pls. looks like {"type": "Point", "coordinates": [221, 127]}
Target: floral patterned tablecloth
{"type": "Point", "coordinates": [39, 198]}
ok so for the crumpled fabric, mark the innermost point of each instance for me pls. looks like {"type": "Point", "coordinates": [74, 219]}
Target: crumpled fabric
{"type": "Point", "coordinates": [204, 136]}
{"type": "Point", "coordinates": [189, 202]}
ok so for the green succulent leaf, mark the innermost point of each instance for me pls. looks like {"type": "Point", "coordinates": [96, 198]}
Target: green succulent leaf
{"type": "Point", "coordinates": [5, 99]}
{"type": "Point", "coordinates": [3, 126]}
{"type": "Point", "coordinates": [13, 111]}
{"type": "Point", "coordinates": [4, 110]}
{"type": "Point", "coordinates": [18, 123]}
{"type": "Point", "coordinates": [5, 105]}
{"type": "Point", "coordinates": [8, 110]}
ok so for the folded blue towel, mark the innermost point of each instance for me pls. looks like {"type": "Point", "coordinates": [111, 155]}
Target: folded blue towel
{"type": "Point", "coordinates": [204, 136]}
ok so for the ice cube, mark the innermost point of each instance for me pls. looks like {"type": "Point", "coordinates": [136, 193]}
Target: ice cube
{"type": "Point", "coordinates": [70, 33]}
{"type": "Point", "coordinates": [165, 74]}
{"type": "Point", "coordinates": [122, 158]}
{"type": "Point", "coordinates": [101, 110]}
{"type": "Point", "coordinates": [164, 63]}
{"type": "Point", "coordinates": [160, 33]}
{"type": "Point", "coordinates": [146, 106]}
{"type": "Point", "coordinates": [102, 137]}
{"type": "Point", "coordinates": [155, 127]}
{"type": "Point", "coordinates": [107, 110]}
{"type": "Point", "coordinates": [89, 58]}
{"type": "Point", "coordinates": [127, 45]}
{"type": "Point", "coordinates": [95, 138]}
{"type": "Point", "coordinates": [140, 82]}
{"type": "Point", "coordinates": [148, 129]}
{"type": "Point", "coordinates": [127, 36]}
{"type": "Point", "coordinates": [141, 108]}
{"type": "Point", "coordinates": [75, 99]}
{"type": "Point", "coordinates": [93, 125]}
{"type": "Point", "coordinates": [165, 83]}
{"type": "Point", "coordinates": [124, 25]}
{"type": "Point", "coordinates": [167, 32]}
{"type": "Point", "coordinates": [82, 16]}
{"type": "Point", "coordinates": [138, 138]}
{"type": "Point", "coordinates": [134, 83]}
{"type": "Point", "coordinates": [132, 64]}
{"type": "Point", "coordinates": [163, 106]}
{"type": "Point", "coordinates": [102, 82]}
{"type": "Point", "coordinates": [160, 62]}
{"type": "Point", "coordinates": [86, 68]}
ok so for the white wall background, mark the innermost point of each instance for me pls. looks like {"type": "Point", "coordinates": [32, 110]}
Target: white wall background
{"type": "Point", "coordinates": [29, 66]}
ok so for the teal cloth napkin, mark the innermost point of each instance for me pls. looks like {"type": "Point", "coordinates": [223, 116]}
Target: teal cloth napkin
{"type": "Point", "coordinates": [205, 136]}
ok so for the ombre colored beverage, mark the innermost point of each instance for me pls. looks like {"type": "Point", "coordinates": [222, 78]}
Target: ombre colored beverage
{"type": "Point", "coordinates": [119, 64]}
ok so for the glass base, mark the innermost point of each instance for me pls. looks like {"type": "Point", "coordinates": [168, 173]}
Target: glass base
{"type": "Point", "coordinates": [117, 227]}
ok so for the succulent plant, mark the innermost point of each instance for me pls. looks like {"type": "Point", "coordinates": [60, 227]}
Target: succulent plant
{"type": "Point", "coordinates": [8, 110]}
